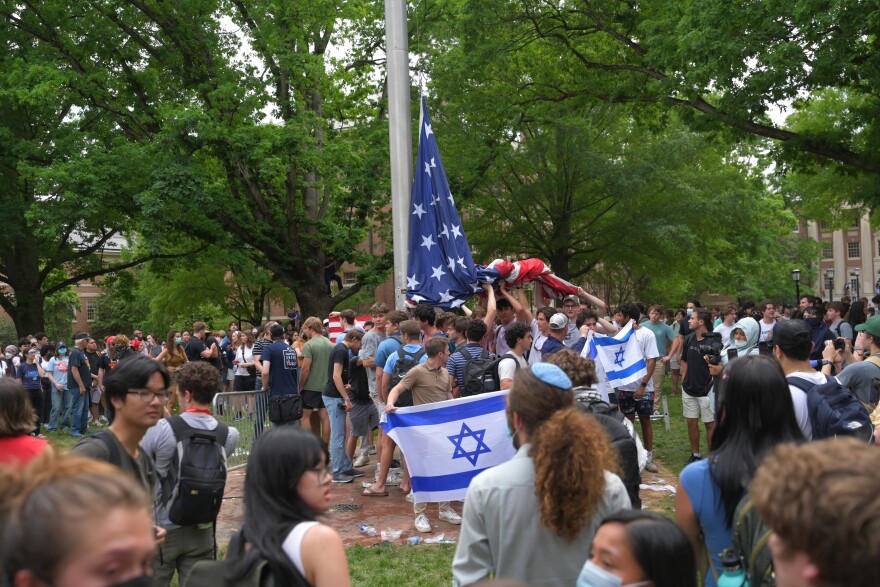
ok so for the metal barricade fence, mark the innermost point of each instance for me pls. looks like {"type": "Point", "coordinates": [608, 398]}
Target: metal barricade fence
{"type": "Point", "coordinates": [246, 411]}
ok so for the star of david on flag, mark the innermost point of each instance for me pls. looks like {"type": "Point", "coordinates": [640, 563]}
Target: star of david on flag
{"type": "Point", "coordinates": [440, 271]}
{"type": "Point", "coordinates": [446, 444]}
{"type": "Point", "coordinates": [618, 357]}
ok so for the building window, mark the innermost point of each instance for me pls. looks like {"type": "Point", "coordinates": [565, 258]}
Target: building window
{"type": "Point", "coordinates": [855, 223]}
{"type": "Point", "coordinates": [852, 250]}
{"type": "Point", "coordinates": [349, 279]}
{"type": "Point", "coordinates": [828, 250]}
{"type": "Point", "coordinates": [91, 311]}
{"type": "Point", "coordinates": [823, 225]}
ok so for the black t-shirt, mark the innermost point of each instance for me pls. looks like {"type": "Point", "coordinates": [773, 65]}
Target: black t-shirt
{"type": "Point", "coordinates": [697, 381]}
{"type": "Point", "coordinates": [194, 349]}
{"type": "Point", "coordinates": [218, 360]}
{"type": "Point", "coordinates": [95, 362]}
{"type": "Point", "coordinates": [684, 328]}
{"type": "Point", "coordinates": [360, 387]}
{"type": "Point", "coordinates": [339, 354]}
{"type": "Point", "coordinates": [78, 360]}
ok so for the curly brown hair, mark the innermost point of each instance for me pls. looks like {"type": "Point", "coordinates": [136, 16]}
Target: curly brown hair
{"type": "Point", "coordinates": [821, 499]}
{"type": "Point", "coordinates": [570, 453]}
{"type": "Point", "coordinates": [201, 379]}
{"type": "Point", "coordinates": [581, 371]}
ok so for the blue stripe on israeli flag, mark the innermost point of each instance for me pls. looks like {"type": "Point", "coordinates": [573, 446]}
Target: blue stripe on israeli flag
{"type": "Point", "coordinates": [446, 444]}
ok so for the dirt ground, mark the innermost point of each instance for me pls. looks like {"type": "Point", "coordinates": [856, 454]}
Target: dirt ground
{"type": "Point", "coordinates": [351, 509]}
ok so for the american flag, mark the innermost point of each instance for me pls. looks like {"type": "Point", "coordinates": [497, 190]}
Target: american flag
{"type": "Point", "coordinates": [441, 271]}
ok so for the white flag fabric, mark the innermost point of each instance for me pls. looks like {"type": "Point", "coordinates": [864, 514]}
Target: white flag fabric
{"type": "Point", "coordinates": [619, 356]}
{"type": "Point", "coordinates": [446, 444]}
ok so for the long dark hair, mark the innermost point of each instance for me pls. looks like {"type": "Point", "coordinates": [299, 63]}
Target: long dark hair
{"type": "Point", "coordinates": [856, 313]}
{"type": "Point", "coordinates": [662, 549]}
{"type": "Point", "coordinates": [755, 413]}
{"type": "Point", "coordinates": [272, 506]}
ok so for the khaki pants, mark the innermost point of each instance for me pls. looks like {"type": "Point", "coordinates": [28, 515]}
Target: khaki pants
{"type": "Point", "coordinates": [419, 508]}
{"type": "Point", "coordinates": [183, 548]}
{"type": "Point", "coordinates": [658, 376]}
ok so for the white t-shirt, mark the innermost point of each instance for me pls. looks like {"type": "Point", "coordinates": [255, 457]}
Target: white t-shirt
{"type": "Point", "coordinates": [244, 354]}
{"type": "Point", "coordinates": [724, 331]}
{"type": "Point", "coordinates": [508, 366]}
{"type": "Point", "coordinates": [765, 329]}
{"type": "Point", "coordinates": [538, 341]}
{"type": "Point", "coordinates": [799, 399]}
{"type": "Point", "coordinates": [648, 345]}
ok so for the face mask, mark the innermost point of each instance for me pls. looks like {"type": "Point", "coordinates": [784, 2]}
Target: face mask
{"type": "Point", "coordinates": [592, 575]}
{"type": "Point", "coordinates": [813, 322]}
{"type": "Point", "coordinates": [690, 311]}
{"type": "Point", "coordinates": [62, 352]}
{"type": "Point", "coordinates": [178, 340]}
{"type": "Point", "coordinates": [9, 355]}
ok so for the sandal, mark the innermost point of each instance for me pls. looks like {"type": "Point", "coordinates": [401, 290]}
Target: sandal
{"type": "Point", "coordinates": [368, 492]}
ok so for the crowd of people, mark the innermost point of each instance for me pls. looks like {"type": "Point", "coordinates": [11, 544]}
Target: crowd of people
{"type": "Point", "coordinates": [564, 511]}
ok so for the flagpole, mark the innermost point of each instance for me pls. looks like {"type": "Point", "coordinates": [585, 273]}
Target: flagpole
{"type": "Point", "coordinates": [400, 137]}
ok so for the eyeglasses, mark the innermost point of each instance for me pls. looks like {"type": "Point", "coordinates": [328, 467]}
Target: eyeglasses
{"type": "Point", "coordinates": [322, 473]}
{"type": "Point", "coordinates": [147, 395]}
{"type": "Point", "coordinates": [569, 306]}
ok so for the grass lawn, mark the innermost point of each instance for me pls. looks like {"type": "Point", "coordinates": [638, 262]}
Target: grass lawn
{"type": "Point", "coordinates": [429, 565]}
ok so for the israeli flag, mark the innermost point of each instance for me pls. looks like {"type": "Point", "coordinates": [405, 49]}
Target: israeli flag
{"type": "Point", "coordinates": [446, 444]}
{"type": "Point", "coordinates": [619, 356]}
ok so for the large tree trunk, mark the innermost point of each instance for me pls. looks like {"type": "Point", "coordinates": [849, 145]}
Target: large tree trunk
{"type": "Point", "coordinates": [314, 300]}
{"type": "Point", "coordinates": [28, 314]}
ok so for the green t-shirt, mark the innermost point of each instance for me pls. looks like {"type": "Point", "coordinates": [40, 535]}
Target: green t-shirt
{"type": "Point", "coordinates": [663, 333]}
{"type": "Point", "coordinates": [317, 349]}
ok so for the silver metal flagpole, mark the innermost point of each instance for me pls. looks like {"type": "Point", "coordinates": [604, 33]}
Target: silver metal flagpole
{"type": "Point", "coordinates": [400, 136]}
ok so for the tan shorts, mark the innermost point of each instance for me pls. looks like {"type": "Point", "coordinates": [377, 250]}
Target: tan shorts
{"type": "Point", "coordinates": [698, 407]}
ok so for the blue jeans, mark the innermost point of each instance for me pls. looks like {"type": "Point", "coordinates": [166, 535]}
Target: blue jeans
{"type": "Point", "coordinates": [339, 460]}
{"type": "Point", "coordinates": [80, 412]}
{"type": "Point", "coordinates": [61, 403]}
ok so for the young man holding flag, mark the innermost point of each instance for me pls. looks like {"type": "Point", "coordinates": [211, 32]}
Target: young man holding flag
{"type": "Point", "coordinates": [429, 382]}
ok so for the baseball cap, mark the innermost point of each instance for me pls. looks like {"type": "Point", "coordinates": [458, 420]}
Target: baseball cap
{"type": "Point", "coordinates": [871, 326]}
{"type": "Point", "coordinates": [571, 298]}
{"type": "Point", "coordinates": [60, 345]}
{"type": "Point", "coordinates": [110, 339]}
{"type": "Point", "coordinates": [558, 321]}
{"type": "Point", "coordinates": [32, 351]}
{"type": "Point", "coordinates": [792, 334]}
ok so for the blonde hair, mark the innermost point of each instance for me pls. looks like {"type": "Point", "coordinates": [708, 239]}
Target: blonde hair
{"type": "Point", "coordinates": [44, 504]}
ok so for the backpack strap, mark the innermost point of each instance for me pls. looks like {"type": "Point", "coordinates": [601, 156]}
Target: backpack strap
{"type": "Point", "coordinates": [464, 353]}
{"type": "Point", "coordinates": [805, 385]}
{"type": "Point", "coordinates": [874, 361]}
{"type": "Point", "coordinates": [109, 440]}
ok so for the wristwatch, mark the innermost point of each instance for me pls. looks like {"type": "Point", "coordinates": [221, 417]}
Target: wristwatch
{"type": "Point", "coordinates": [827, 362]}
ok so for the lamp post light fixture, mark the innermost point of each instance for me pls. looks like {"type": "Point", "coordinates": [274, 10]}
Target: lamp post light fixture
{"type": "Point", "coordinates": [829, 282]}
{"type": "Point", "coordinates": [796, 276]}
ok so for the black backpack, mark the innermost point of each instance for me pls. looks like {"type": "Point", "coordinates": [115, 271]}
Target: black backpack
{"type": "Point", "coordinates": [405, 362]}
{"type": "Point", "coordinates": [480, 374]}
{"type": "Point", "coordinates": [834, 411]}
{"type": "Point", "coordinates": [192, 489]}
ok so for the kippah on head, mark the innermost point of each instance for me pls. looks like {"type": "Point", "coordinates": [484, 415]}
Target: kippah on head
{"type": "Point", "coordinates": [551, 375]}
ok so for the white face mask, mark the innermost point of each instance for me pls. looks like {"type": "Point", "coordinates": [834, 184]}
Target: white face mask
{"type": "Point", "coordinates": [690, 311]}
{"type": "Point", "coordinates": [740, 344]}
{"type": "Point", "coordinates": [9, 355]}
{"type": "Point", "coordinates": [592, 575]}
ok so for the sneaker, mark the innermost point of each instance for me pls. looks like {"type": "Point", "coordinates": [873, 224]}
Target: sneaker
{"type": "Point", "coordinates": [422, 523]}
{"type": "Point", "coordinates": [342, 478]}
{"type": "Point", "coordinates": [450, 516]}
{"type": "Point", "coordinates": [76, 435]}
{"type": "Point", "coordinates": [352, 473]}
{"type": "Point", "coordinates": [103, 420]}
{"type": "Point", "coordinates": [693, 459]}
{"type": "Point", "coordinates": [393, 479]}
{"type": "Point", "coordinates": [362, 461]}
{"type": "Point", "coordinates": [395, 464]}
{"type": "Point", "coordinates": [372, 450]}
{"type": "Point", "coordinates": [650, 466]}
{"type": "Point", "coordinates": [656, 415]}
{"type": "Point", "coordinates": [410, 497]}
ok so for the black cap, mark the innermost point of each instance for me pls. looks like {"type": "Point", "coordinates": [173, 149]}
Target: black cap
{"type": "Point", "coordinates": [792, 334]}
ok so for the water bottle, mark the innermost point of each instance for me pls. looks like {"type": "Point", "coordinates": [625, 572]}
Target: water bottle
{"type": "Point", "coordinates": [369, 530]}
{"type": "Point", "coordinates": [733, 574]}
{"type": "Point", "coordinates": [413, 540]}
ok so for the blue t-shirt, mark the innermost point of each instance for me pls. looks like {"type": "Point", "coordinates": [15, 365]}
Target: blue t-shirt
{"type": "Point", "coordinates": [283, 368]}
{"type": "Point", "coordinates": [386, 348]}
{"type": "Point", "coordinates": [705, 499]}
{"type": "Point", "coordinates": [29, 375]}
{"type": "Point", "coordinates": [409, 350]}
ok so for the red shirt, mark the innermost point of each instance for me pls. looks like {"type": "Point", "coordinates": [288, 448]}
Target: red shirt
{"type": "Point", "coordinates": [20, 449]}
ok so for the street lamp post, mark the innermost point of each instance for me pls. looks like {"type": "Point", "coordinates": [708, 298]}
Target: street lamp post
{"type": "Point", "coordinates": [829, 279]}
{"type": "Point", "coordinates": [796, 276]}
{"type": "Point", "coordinates": [857, 273]}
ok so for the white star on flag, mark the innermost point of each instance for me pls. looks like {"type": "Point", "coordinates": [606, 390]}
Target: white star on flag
{"type": "Point", "coordinates": [419, 211]}
{"type": "Point", "coordinates": [417, 298]}
{"type": "Point", "coordinates": [411, 282]}
{"type": "Point", "coordinates": [445, 297]}
{"type": "Point", "coordinates": [461, 262]}
{"type": "Point", "coordinates": [445, 231]}
{"type": "Point", "coordinates": [427, 168]}
{"type": "Point", "coordinates": [428, 130]}
{"type": "Point", "coordinates": [450, 262]}
{"type": "Point", "coordinates": [456, 231]}
{"type": "Point", "coordinates": [457, 303]}
{"type": "Point", "coordinates": [438, 273]}
{"type": "Point", "coordinates": [428, 241]}
{"type": "Point", "coordinates": [451, 201]}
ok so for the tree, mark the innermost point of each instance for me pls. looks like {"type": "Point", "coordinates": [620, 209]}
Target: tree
{"type": "Point", "coordinates": [65, 195]}
{"type": "Point", "coordinates": [257, 135]}
{"type": "Point", "coordinates": [724, 65]}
